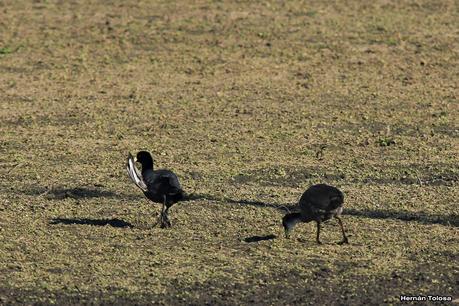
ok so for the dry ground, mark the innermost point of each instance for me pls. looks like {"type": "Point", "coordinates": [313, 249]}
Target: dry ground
{"type": "Point", "coordinates": [250, 102]}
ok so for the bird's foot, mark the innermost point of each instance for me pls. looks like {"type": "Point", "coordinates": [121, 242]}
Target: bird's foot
{"type": "Point", "coordinates": [165, 223]}
{"type": "Point", "coordinates": [344, 241]}
{"type": "Point", "coordinates": [319, 242]}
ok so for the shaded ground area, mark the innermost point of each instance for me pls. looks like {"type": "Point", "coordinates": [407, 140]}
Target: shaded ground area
{"type": "Point", "coordinates": [97, 222]}
{"type": "Point", "coordinates": [249, 103]}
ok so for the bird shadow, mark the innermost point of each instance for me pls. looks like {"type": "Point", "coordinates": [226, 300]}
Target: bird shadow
{"type": "Point", "coordinates": [208, 197]}
{"type": "Point", "coordinates": [259, 238]}
{"type": "Point", "coordinates": [425, 218]}
{"type": "Point", "coordinates": [95, 222]}
{"type": "Point", "coordinates": [59, 193]}
{"type": "Point", "coordinates": [281, 207]}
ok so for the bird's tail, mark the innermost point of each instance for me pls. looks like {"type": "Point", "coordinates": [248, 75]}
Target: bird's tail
{"type": "Point", "coordinates": [134, 174]}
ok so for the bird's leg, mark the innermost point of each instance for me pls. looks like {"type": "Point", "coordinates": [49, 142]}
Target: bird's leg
{"type": "Point", "coordinates": [163, 217]}
{"type": "Point", "coordinates": [166, 216]}
{"type": "Point", "coordinates": [318, 233]}
{"type": "Point", "coordinates": [345, 240]}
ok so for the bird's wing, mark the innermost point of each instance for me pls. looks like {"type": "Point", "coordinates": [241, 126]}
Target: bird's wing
{"type": "Point", "coordinates": [134, 174]}
{"type": "Point", "coordinates": [170, 182]}
{"type": "Point", "coordinates": [327, 205]}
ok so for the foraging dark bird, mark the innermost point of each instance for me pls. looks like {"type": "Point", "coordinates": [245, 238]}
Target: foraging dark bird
{"type": "Point", "coordinates": [160, 186]}
{"type": "Point", "coordinates": [318, 203]}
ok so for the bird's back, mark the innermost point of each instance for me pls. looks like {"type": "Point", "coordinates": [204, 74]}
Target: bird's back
{"type": "Point", "coordinates": [160, 183]}
{"type": "Point", "coordinates": [321, 199]}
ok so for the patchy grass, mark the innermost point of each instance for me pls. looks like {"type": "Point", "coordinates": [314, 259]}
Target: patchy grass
{"type": "Point", "coordinates": [250, 103]}
{"type": "Point", "coordinates": [5, 50]}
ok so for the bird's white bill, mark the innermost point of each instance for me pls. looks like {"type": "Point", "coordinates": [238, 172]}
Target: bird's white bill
{"type": "Point", "coordinates": [134, 173]}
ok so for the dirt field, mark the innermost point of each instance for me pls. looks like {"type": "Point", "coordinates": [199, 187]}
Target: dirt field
{"type": "Point", "coordinates": [249, 102]}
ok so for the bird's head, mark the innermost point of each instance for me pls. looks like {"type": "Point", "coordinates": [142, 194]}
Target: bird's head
{"type": "Point", "coordinates": [145, 159]}
{"type": "Point", "coordinates": [289, 221]}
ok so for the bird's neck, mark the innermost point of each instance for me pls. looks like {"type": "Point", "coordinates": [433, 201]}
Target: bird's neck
{"type": "Point", "coordinates": [147, 166]}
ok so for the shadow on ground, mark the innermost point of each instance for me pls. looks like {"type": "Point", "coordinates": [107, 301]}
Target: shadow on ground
{"type": "Point", "coordinates": [96, 222]}
{"type": "Point", "coordinates": [242, 202]}
{"type": "Point", "coordinates": [281, 207]}
{"type": "Point", "coordinates": [449, 220]}
{"type": "Point", "coordinates": [59, 193]}
{"type": "Point", "coordinates": [260, 238]}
